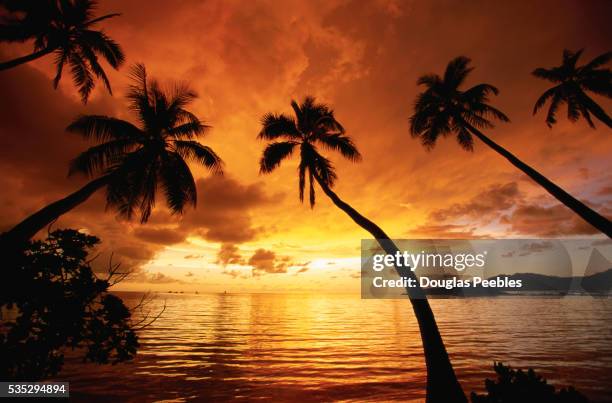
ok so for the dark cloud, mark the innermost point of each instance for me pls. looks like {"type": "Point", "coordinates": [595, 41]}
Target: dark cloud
{"type": "Point", "coordinates": [486, 205]}
{"type": "Point", "coordinates": [446, 231]}
{"type": "Point", "coordinates": [223, 213]}
{"type": "Point", "coordinates": [193, 256]}
{"type": "Point", "coordinates": [162, 236]}
{"type": "Point", "coordinates": [302, 270]}
{"type": "Point", "coordinates": [546, 221]}
{"type": "Point", "coordinates": [153, 278]}
{"type": "Point", "coordinates": [229, 254]}
{"type": "Point", "coordinates": [266, 261]}
{"type": "Point", "coordinates": [605, 191]}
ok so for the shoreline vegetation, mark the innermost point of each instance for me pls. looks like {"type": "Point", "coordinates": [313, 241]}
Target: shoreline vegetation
{"type": "Point", "coordinates": [57, 301]}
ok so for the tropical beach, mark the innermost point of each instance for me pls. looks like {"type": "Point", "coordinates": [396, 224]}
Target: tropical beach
{"type": "Point", "coordinates": [325, 201]}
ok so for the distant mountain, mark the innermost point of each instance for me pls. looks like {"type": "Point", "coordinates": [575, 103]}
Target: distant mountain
{"type": "Point", "coordinates": [598, 283]}
{"type": "Point", "coordinates": [595, 283]}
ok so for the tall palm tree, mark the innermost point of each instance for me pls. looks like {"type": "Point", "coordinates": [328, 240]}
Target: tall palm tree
{"type": "Point", "coordinates": [315, 125]}
{"type": "Point", "coordinates": [131, 162]}
{"type": "Point", "coordinates": [571, 84]}
{"type": "Point", "coordinates": [443, 108]}
{"type": "Point", "coordinates": [65, 28]}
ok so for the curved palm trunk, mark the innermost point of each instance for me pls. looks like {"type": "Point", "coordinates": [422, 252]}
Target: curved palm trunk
{"type": "Point", "coordinates": [442, 384]}
{"type": "Point", "coordinates": [592, 217]}
{"type": "Point", "coordinates": [25, 59]}
{"type": "Point", "coordinates": [22, 232]}
{"type": "Point", "coordinates": [597, 110]}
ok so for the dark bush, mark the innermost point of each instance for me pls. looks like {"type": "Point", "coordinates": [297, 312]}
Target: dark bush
{"type": "Point", "coordinates": [51, 301]}
{"type": "Point", "coordinates": [513, 386]}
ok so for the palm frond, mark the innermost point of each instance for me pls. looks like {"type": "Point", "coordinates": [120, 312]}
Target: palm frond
{"type": "Point", "coordinates": [430, 80]}
{"type": "Point", "coordinates": [544, 97]}
{"type": "Point", "coordinates": [188, 130]}
{"type": "Point", "coordinates": [178, 183]}
{"type": "Point", "coordinates": [552, 110]}
{"type": "Point", "coordinates": [102, 18]}
{"type": "Point", "coordinates": [456, 72]}
{"type": "Point", "coordinates": [340, 143]}
{"type": "Point", "coordinates": [99, 158]}
{"type": "Point", "coordinates": [570, 58]}
{"type": "Point", "coordinates": [552, 75]}
{"type": "Point", "coordinates": [98, 41]}
{"type": "Point", "coordinates": [92, 59]}
{"type": "Point", "coordinates": [104, 128]}
{"type": "Point", "coordinates": [149, 190]}
{"type": "Point", "coordinates": [465, 140]}
{"type": "Point", "coordinates": [274, 154]}
{"type": "Point", "coordinates": [81, 75]}
{"type": "Point", "coordinates": [312, 189]}
{"type": "Point", "coordinates": [598, 61]}
{"type": "Point", "coordinates": [61, 57]}
{"type": "Point", "coordinates": [302, 168]}
{"type": "Point", "coordinates": [324, 169]}
{"type": "Point", "coordinates": [278, 126]}
{"type": "Point", "coordinates": [204, 155]}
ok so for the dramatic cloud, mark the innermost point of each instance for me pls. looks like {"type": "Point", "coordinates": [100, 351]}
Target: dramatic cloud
{"type": "Point", "coordinates": [163, 236]}
{"type": "Point", "coordinates": [223, 213]}
{"type": "Point", "coordinates": [445, 231]}
{"type": "Point", "coordinates": [544, 221]}
{"type": "Point", "coordinates": [266, 261]}
{"type": "Point", "coordinates": [363, 58]}
{"type": "Point", "coordinates": [484, 206]}
{"type": "Point", "coordinates": [153, 278]}
{"type": "Point", "coordinates": [228, 254]}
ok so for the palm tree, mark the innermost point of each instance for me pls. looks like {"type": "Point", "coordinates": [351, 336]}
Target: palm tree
{"type": "Point", "coordinates": [315, 125]}
{"type": "Point", "coordinates": [65, 28]}
{"type": "Point", "coordinates": [443, 108]}
{"type": "Point", "coordinates": [571, 83]}
{"type": "Point", "coordinates": [131, 161]}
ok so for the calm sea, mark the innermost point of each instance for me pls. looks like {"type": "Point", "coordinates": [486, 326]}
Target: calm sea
{"type": "Point", "coordinates": [217, 347]}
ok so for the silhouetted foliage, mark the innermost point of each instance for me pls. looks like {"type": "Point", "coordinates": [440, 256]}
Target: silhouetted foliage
{"type": "Point", "coordinates": [314, 123]}
{"type": "Point", "coordinates": [52, 301]}
{"type": "Point", "coordinates": [572, 83]}
{"type": "Point", "coordinates": [134, 162]}
{"type": "Point", "coordinates": [517, 386]}
{"type": "Point", "coordinates": [444, 108]}
{"type": "Point", "coordinates": [65, 28]}
{"type": "Point", "coordinates": [141, 158]}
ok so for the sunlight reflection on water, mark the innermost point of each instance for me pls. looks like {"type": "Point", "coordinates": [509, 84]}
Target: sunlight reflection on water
{"type": "Point", "coordinates": [339, 347]}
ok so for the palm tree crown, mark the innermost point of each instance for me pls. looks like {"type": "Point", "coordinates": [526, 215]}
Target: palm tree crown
{"type": "Point", "coordinates": [314, 124]}
{"type": "Point", "coordinates": [66, 28]}
{"type": "Point", "coordinates": [571, 83]}
{"type": "Point", "coordinates": [139, 158]}
{"type": "Point", "coordinates": [443, 108]}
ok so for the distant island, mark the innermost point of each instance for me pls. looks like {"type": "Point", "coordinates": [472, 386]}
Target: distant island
{"type": "Point", "coordinates": [599, 283]}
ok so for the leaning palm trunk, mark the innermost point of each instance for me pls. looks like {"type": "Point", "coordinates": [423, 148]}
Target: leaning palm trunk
{"type": "Point", "coordinates": [592, 217]}
{"type": "Point", "coordinates": [22, 232]}
{"type": "Point", "coordinates": [597, 111]}
{"type": "Point", "coordinates": [442, 384]}
{"type": "Point", "coordinates": [25, 59]}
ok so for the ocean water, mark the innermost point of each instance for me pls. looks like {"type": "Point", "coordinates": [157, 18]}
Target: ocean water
{"type": "Point", "coordinates": [219, 347]}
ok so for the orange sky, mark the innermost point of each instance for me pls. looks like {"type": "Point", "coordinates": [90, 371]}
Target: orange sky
{"type": "Point", "coordinates": [248, 58]}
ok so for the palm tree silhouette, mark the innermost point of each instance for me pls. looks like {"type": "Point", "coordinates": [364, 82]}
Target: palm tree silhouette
{"type": "Point", "coordinates": [443, 109]}
{"type": "Point", "coordinates": [315, 125]}
{"type": "Point", "coordinates": [571, 83]}
{"type": "Point", "coordinates": [130, 161]}
{"type": "Point", "coordinates": [64, 28]}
